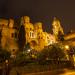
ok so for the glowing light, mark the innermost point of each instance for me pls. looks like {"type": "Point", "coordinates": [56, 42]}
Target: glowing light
{"type": "Point", "coordinates": [28, 50]}
{"type": "Point", "coordinates": [67, 47]}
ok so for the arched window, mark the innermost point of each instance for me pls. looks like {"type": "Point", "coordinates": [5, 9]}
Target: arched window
{"type": "Point", "coordinates": [32, 35]}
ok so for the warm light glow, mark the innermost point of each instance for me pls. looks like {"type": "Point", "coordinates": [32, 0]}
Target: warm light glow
{"type": "Point", "coordinates": [66, 47]}
{"type": "Point", "coordinates": [28, 50]}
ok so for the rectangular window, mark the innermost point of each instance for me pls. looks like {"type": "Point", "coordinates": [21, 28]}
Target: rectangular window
{"type": "Point", "coordinates": [14, 35]}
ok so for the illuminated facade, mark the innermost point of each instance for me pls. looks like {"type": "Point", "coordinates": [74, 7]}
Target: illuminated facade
{"type": "Point", "coordinates": [35, 36]}
{"type": "Point", "coordinates": [9, 35]}
{"type": "Point", "coordinates": [57, 29]}
{"type": "Point", "coordinates": [12, 37]}
{"type": "Point", "coordinates": [35, 33]}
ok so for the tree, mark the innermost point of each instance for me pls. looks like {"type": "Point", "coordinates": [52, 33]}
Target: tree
{"type": "Point", "coordinates": [54, 52]}
{"type": "Point", "coordinates": [21, 37]}
{"type": "Point", "coordinates": [4, 55]}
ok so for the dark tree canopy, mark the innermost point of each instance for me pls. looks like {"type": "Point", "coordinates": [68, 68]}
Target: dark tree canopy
{"type": "Point", "coordinates": [4, 55]}
{"type": "Point", "coordinates": [21, 37]}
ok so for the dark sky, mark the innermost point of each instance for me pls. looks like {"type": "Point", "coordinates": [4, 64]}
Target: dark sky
{"type": "Point", "coordinates": [41, 10]}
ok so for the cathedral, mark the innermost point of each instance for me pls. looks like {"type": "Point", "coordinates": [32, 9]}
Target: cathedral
{"type": "Point", "coordinates": [34, 34]}
{"type": "Point", "coordinates": [16, 39]}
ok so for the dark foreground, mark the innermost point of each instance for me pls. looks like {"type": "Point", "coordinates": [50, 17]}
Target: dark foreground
{"type": "Point", "coordinates": [53, 72]}
{"type": "Point", "coordinates": [38, 69]}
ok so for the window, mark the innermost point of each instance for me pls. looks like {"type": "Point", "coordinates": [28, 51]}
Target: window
{"type": "Point", "coordinates": [30, 28]}
{"type": "Point", "coordinates": [31, 34]}
{"type": "Point", "coordinates": [14, 35]}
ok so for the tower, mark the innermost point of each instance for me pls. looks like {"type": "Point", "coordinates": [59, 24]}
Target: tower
{"type": "Point", "coordinates": [57, 29]}
{"type": "Point", "coordinates": [12, 37]}
{"type": "Point", "coordinates": [39, 35]}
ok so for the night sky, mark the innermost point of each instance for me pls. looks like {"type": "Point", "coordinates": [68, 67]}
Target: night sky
{"type": "Point", "coordinates": [41, 10]}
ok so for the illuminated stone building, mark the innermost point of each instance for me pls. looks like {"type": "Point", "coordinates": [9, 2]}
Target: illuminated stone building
{"type": "Point", "coordinates": [39, 35]}
{"type": "Point", "coordinates": [35, 33]}
{"type": "Point", "coordinates": [4, 33]}
{"type": "Point", "coordinates": [12, 37]}
{"type": "Point", "coordinates": [35, 36]}
{"type": "Point", "coordinates": [57, 29]}
{"type": "Point", "coordinates": [29, 28]}
{"type": "Point", "coordinates": [69, 39]}
{"type": "Point", "coordinates": [44, 39]}
{"type": "Point", "coordinates": [9, 35]}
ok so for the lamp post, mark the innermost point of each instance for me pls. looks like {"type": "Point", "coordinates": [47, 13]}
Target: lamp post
{"type": "Point", "coordinates": [67, 48]}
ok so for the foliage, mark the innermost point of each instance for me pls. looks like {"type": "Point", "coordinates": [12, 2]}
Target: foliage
{"type": "Point", "coordinates": [4, 55]}
{"type": "Point", "coordinates": [52, 52]}
{"type": "Point", "coordinates": [22, 58]}
{"type": "Point", "coordinates": [56, 52]}
{"type": "Point", "coordinates": [21, 37]}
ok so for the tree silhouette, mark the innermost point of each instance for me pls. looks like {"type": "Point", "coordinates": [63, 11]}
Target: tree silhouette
{"type": "Point", "coordinates": [21, 37]}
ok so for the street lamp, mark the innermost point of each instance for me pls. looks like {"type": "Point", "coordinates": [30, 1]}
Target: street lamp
{"type": "Point", "coordinates": [67, 50]}
{"type": "Point", "coordinates": [28, 50]}
{"type": "Point", "coordinates": [67, 47]}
